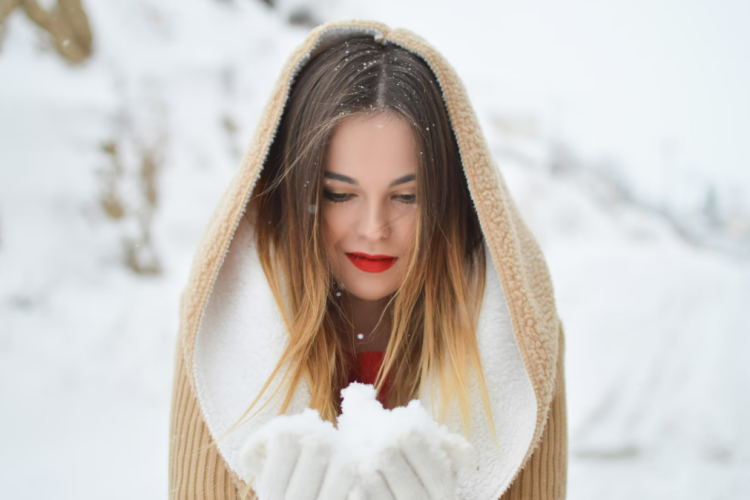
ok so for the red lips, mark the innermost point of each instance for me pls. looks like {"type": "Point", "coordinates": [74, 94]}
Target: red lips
{"type": "Point", "coordinates": [371, 263]}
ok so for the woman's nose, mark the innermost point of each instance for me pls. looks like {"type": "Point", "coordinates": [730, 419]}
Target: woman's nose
{"type": "Point", "coordinates": [374, 224]}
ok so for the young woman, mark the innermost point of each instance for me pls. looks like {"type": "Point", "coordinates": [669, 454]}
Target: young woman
{"type": "Point", "coordinates": [368, 236]}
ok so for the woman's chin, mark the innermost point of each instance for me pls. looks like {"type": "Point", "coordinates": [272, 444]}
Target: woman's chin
{"type": "Point", "coordinates": [366, 291]}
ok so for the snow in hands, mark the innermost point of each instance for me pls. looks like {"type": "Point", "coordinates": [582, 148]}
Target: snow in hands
{"type": "Point", "coordinates": [375, 453]}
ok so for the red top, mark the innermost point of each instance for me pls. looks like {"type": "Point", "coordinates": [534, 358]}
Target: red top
{"type": "Point", "coordinates": [365, 369]}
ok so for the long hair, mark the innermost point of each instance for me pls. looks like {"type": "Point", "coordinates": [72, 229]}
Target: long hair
{"type": "Point", "coordinates": [436, 307]}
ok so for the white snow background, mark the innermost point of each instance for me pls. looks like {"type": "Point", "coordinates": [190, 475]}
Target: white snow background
{"type": "Point", "coordinates": [619, 129]}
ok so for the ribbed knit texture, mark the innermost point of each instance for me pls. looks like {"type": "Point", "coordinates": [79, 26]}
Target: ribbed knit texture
{"type": "Point", "coordinates": [545, 475]}
{"type": "Point", "coordinates": [194, 473]}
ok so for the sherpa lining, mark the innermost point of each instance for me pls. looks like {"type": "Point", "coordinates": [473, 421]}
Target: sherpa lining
{"type": "Point", "coordinates": [516, 266]}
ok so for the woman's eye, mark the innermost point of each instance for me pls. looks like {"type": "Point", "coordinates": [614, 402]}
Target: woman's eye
{"type": "Point", "coordinates": [341, 197]}
{"type": "Point", "coordinates": [335, 197]}
{"type": "Point", "coordinates": [406, 198]}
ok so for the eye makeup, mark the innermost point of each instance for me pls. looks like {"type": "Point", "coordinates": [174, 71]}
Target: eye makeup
{"type": "Point", "coordinates": [406, 199]}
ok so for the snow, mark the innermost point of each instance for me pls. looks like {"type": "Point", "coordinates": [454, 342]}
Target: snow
{"type": "Point", "coordinates": [367, 429]}
{"type": "Point", "coordinates": [657, 323]}
{"type": "Point", "coordinates": [657, 333]}
{"type": "Point", "coordinates": [365, 435]}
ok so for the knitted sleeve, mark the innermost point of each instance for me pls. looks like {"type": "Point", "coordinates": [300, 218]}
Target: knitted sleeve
{"type": "Point", "coordinates": [195, 472]}
{"type": "Point", "coordinates": [545, 475]}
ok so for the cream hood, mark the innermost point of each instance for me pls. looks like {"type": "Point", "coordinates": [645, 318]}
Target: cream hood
{"type": "Point", "coordinates": [232, 334]}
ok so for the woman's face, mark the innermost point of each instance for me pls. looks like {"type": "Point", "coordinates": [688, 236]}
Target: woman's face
{"type": "Point", "coordinates": [369, 205]}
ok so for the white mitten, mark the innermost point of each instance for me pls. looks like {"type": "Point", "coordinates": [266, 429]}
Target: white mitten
{"type": "Point", "coordinates": [403, 454]}
{"type": "Point", "coordinates": [294, 457]}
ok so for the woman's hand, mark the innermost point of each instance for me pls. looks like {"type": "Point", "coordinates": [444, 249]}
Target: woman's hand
{"type": "Point", "coordinates": [375, 454]}
{"type": "Point", "coordinates": [293, 457]}
{"type": "Point", "coordinates": [401, 453]}
{"type": "Point", "coordinates": [419, 466]}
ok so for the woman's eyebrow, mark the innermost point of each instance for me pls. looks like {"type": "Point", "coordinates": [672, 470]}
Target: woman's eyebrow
{"type": "Point", "coordinates": [401, 180]}
{"type": "Point", "coordinates": [344, 178]}
{"type": "Point", "coordinates": [339, 177]}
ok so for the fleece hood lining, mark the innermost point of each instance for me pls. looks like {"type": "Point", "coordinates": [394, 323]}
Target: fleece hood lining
{"type": "Point", "coordinates": [241, 336]}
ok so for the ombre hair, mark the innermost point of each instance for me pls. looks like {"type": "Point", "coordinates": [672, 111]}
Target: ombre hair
{"type": "Point", "coordinates": [436, 307]}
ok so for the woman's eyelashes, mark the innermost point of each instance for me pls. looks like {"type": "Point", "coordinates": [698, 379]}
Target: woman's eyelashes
{"type": "Point", "coordinates": [407, 198]}
{"type": "Point", "coordinates": [341, 197]}
{"type": "Point", "coordinates": [336, 197]}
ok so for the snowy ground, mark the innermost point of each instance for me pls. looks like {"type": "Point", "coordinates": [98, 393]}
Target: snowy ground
{"type": "Point", "coordinates": [657, 328]}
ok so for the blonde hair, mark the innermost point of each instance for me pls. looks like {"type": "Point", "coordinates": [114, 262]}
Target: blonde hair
{"type": "Point", "coordinates": [436, 308]}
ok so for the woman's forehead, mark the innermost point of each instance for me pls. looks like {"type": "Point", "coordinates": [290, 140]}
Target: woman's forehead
{"type": "Point", "coordinates": [373, 146]}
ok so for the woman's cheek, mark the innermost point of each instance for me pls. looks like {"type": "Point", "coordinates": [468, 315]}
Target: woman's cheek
{"type": "Point", "coordinates": [336, 225]}
{"type": "Point", "coordinates": [335, 234]}
{"type": "Point", "coordinates": [407, 233]}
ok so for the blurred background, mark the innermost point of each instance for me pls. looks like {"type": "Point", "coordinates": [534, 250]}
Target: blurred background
{"type": "Point", "coordinates": [622, 129]}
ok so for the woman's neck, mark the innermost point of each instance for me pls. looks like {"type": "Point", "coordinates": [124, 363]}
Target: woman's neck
{"type": "Point", "coordinates": [365, 332]}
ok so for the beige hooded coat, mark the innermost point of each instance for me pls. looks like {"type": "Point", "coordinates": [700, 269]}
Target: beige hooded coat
{"type": "Point", "coordinates": [231, 333]}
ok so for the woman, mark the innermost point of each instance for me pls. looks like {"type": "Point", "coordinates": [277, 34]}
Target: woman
{"type": "Point", "coordinates": [368, 236]}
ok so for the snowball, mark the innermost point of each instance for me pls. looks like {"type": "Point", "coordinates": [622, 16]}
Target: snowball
{"type": "Point", "coordinates": [367, 430]}
{"type": "Point", "coordinates": [367, 435]}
